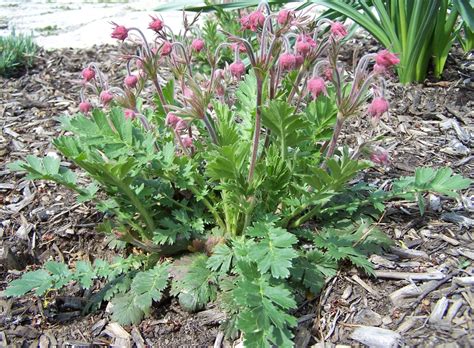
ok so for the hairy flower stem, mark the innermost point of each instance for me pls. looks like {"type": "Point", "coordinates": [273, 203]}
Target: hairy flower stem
{"type": "Point", "coordinates": [335, 136]}
{"type": "Point", "coordinates": [258, 127]}
{"type": "Point", "coordinates": [210, 129]}
{"type": "Point", "coordinates": [160, 93]}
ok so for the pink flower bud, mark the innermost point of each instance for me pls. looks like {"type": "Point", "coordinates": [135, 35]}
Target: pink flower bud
{"type": "Point", "coordinates": [304, 44]}
{"type": "Point", "coordinates": [85, 107]}
{"type": "Point", "coordinates": [120, 32]}
{"type": "Point", "coordinates": [386, 59]}
{"type": "Point", "coordinates": [172, 120]}
{"type": "Point", "coordinates": [245, 22]}
{"type": "Point", "coordinates": [240, 46]}
{"type": "Point", "coordinates": [284, 16]}
{"type": "Point", "coordinates": [181, 125]}
{"type": "Point", "coordinates": [237, 69]}
{"type": "Point", "coordinates": [380, 69]}
{"type": "Point", "coordinates": [378, 107]}
{"type": "Point", "coordinates": [287, 61]}
{"type": "Point", "coordinates": [256, 20]}
{"type": "Point", "coordinates": [106, 97]}
{"type": "Point", "coordinates": [299, 60]}
{"type": "Point", "coordinates": [380, 156]}
{"type": "Point", "coordinates": [166, 48]}
{"type": "Point", "coordinates": [129, 114]}
{"type": "Point", "coordinates": [139, 64]}
{"type": "Point", "coordinates": [338, 30]}
{"type": "Point", "coordinates": [328, 74]}
{"type": "Point", "coordinates": [316, 86]}
{"type": "Point", "coordinates": [156, 24]}
{"type": "Point", "coordinates": [131, 81]}
{"type": "Point", "coordinates": [187, 141]}
{"type": "Point", "coordinates": [88, 74]}
{"type": "Point", "coordinates": [197, 45]}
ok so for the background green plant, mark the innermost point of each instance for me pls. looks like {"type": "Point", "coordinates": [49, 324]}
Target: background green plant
{"type": "Point", "coordinates": [16, 54]}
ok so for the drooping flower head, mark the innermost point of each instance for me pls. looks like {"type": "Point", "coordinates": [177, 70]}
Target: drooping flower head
{"type": "Point", "coordinates": [187, 141]}
{"type": "Point", "coordinates": [106, 97]}
{"type": "Point", "coordinates": [253, 21]}
{"type": "Point", "coordinates": [197, 45]}
{"type": "Point", "coordinates": [304, 44]}
{"type": "Point", "coordinates": [88, 74]}
{"type": "Point", "coordinates": [238, 45]}
{"type": "Point", "coordinates": [172, 120]}
{"type": "Point", "coordinates": [386, 59]}
{"type": "Point", "coordinates": [287, 61]}
{"type": "Point", "coordinates": [85, 107]}
{"type": "Point", "coordinates": [284, 16]}
{"type": "Point", "coordinates": [299, 60]}
{"type": "Point", "coordinates": [166, 48]}
{"type": "Point", "coordinates": [378, 107]}
{"type": "Point", "coordinates": [237, 69]}
{"type": "Point", "coordinates": [131, 81]}
{"type": "Point", "coordinates": [338, 30]}
{"type": "Point", "coordinates": [120, 32]}
{"type": "Point", "coordinates": [156, 24]}
{"type": "Point", "coordinates": [129, 114]}
{"type": "Point", "coordinates": [380, 156]}
{"type": "Point", "coordinates": [181, 125]}
{"type": "Point", "coordinates": [316, 86]}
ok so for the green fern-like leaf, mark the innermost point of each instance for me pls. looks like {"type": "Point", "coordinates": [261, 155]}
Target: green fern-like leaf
{"type": "Point", "coordinates": [38, 281]}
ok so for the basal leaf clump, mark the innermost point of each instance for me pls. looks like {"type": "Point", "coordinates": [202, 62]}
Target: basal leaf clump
{"type": "Point", "coordinates": [232, 187]}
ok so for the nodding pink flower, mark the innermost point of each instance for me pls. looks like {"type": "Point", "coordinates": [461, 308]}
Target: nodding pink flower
{"type": "Point", "coordinates": [88, 74]}
{"type": "Point", "coordinates": [380, 69]}
{"type": "Point", "coordinates": [380, 156]}
{"type": "Point", "coordinates": [328, 74]}
{"type": "Point", "coordinates": [139, 64]}
{"type": "Point", "coordinates": [304, 44]}
{"type": "Point", "coordinates": [129, 114]}
{"type": "Point", "coordinates": [166, 48]}
{"type": "Point", "coordinates": [256, 19]}
{"type": "Point", "coordinates": [156, 24]}
{"type": "Point", "coordinates": [378, 107]}
{"type": "Point", "coordinates": [120, 32]}
{"type": "Point", "coordinates": [386, 59]}
{"type": "Point", "coordinates": [197, 45]}
{"type": "Point", "coordinates": [253, 21]}
{"type": "Point", "coordinates": [106, 97]}
{"type": "Point", "coordinates": [131, 81]}
{"type": "Point", "coordinates": [245, 22]}
{"type": "Point", "coordinates": [338, 29]}
{"type": "Point", "coordinates": [187, 141]}
{"type": "Point", "coordinates": [172, 120]}
{"type": "Point", "coordinates": [287, 61]}
{"type": "Point", "coordinates": [85, 107]}
{"type": "Point", "coordinates": [238, 45]}
{"type": "Point", "coordinates": [316, 86]}
{"type": "Point", "coordinates": [284, 17]}
{"type": "Point", "coordinates": [299, 60]}
{"type": "Point", "coordinates": [237, 69]}
{"type": "Point", "coordinates": [181, 125]}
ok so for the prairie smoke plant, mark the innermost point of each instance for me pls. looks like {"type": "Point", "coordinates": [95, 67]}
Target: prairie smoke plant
{"type": "Point", "coordinates": [212, 178]}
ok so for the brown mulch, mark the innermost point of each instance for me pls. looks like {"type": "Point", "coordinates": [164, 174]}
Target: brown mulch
{"type": "Point", "coordinates": [430, 124]}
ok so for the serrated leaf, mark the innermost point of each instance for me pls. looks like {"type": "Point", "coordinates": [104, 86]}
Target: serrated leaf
{"type": "Point", "coordinates": [148, 286]}
{"type": "Point", "coordinates": [40, 281]}
{"type": "Point", "coordinates": [221, 258]}
{"type": "Point", "coordinates": [84, 274]}
{"type": "Point", "coordinates": [275, 251]}
{"type": "Point", "coordinates": [125, 311]}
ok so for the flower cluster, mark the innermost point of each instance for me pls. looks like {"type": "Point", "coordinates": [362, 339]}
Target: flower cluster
{"type": "Point", "coordinates": [283, 45]}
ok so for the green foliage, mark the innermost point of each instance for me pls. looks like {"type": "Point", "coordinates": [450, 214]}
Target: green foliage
{"type": "Point", "coordinates": [16, 54]}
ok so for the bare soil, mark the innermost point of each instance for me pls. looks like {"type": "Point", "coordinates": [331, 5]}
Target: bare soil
{"type": "Point", "coordinates": [430, 124]}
